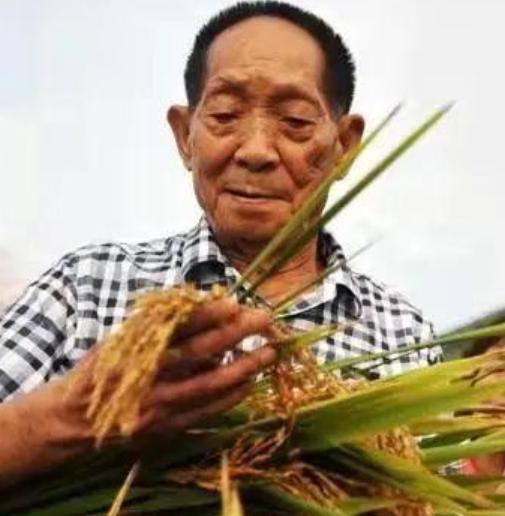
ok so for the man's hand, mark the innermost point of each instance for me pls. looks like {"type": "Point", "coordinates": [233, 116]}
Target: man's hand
{"type": "Point", "coordinates": [49, 424]}
{"type": "Point", "coordinates": [193, 384]}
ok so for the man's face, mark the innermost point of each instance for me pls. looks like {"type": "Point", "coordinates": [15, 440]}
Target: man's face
{"type": "Point", "coordinates": [262, 136]}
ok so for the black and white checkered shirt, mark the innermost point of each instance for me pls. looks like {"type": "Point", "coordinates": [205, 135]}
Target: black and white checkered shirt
{"type": "Point", "coordinates": [79, 300]}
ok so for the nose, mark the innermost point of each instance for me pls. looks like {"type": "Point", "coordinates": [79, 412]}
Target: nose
{"type": "Point", "coordinates": [257, 152]}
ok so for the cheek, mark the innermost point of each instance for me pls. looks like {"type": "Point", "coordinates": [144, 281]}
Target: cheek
{"type": "Point", "coordinates": [203, 191]}
{"type": "Point", "coordinates": [209, 157]}
{"type": "Point", "coordinates": [209, 154]}
{"type": "Point", "coordinates": [309, 162]}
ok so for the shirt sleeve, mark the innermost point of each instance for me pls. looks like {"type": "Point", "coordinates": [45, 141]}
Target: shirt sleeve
{"type": "Point", "coordinates": [35, 328]}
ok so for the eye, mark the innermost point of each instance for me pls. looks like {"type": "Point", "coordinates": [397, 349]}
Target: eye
{"type": "Point", "coordinates": [296, 122]}
{"type": "Point", "coordinates": [224, 117]}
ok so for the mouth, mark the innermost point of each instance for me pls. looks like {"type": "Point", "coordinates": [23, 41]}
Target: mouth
{"type": "Point", "coordinates": [251, 194]}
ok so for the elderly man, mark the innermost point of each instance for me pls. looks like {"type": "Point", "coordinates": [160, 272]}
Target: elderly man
{"type": "Point", "coordinates": [269, 88]}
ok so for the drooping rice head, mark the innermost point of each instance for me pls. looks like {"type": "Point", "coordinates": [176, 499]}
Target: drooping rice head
{"type": "Point", "coordinates": [129, 359]}
{"type": "Point", "coordinates": [401, 443]}
{"type": "Point", "coordinates": [294, 382]}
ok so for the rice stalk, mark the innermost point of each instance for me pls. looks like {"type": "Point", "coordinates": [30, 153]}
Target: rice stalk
{"type": "Point", "coordinates": [300, 235]}
{"type": "Point", "coordinates": [123, 492]}
{"type": "Point", "coordinates": [312, 204]}
{"type": "Point", "coordinates": [292, 297]}
{"type": "Point", "coordinates": [230, 500]}
{"type": "Point", "coordinates": [495, 330]}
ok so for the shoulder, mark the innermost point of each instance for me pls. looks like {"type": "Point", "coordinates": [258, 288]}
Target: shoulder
{"type": "Point", "coordinates": [382, 308]}
{"type": "Point", "coordinates": [390, 322]}
{"type": "Point", "coordinates": [74, 303]}
{"type": "Point", "coordinates": [120, 259]}
{"type": "Point", "coordinates": [383, 299]}
{"type": "Point", "coordinates": [152, 251]}
{"type": "Point", "coordinates": [99, 278]}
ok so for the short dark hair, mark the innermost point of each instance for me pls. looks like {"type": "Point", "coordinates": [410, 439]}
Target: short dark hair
{"type": "Point", "coordinates": [338, 79]}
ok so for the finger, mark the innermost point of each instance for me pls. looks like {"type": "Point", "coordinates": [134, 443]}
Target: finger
{"type": "Point", "coordinates": [79, 379]}
{"type": "Point", "coordinates": [218, 340]}
{"type": "Point", "coordinates": [183, 368]}
{"type": "Point", "coordinates": [217, 406]}
{"type": "Point", "coordinates": [207, 316]}
{"type": "Point", "coordinates": [214, 382]}
{"type": "Point", "coordinates": [156, 419]}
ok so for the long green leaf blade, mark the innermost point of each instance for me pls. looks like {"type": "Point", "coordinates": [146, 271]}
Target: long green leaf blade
{"type": "Point", "coordinates": [299, 218]}
{"type": "Point", "coordinates": [294, 245]}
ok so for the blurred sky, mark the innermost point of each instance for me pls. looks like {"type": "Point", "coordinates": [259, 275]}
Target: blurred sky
{"type": "Point", "coordinates": [86, 156]}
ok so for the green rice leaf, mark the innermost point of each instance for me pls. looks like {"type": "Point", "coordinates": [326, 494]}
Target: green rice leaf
{"type": "Point", "coordinates": [477, 481]}
{"type": "Point", "coordinates": [392, 402]}
{"type": "Point", "coordinates": [413, 478]}
{"type": "Point", "coordinates": [299, 219]}
{"type": "Point", "coordinates": [452, 430]}
{"type": "Point", "coordinates": [302, 340]}
{"type": "Point", "coordinates": [451, 424]}
{"type": "Point", "coordinates": [138, 499]}
{"type": "Point", "coordinates": [291, 298]}
{"type": "Point", "coordinates": [284, 501]}
{"type": "Point", "coordinates": [440, 455]}
{"type": "Point", "coordinates": [496, 330]}
{"type": "Point", "coordinates": [294, 245]}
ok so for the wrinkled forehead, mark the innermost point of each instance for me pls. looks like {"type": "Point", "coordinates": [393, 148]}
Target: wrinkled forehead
{"type": "Point", "coordinates": [269, 47]}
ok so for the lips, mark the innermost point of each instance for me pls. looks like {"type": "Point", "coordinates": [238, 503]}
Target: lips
{"type": "Point", "coordinates": [251, 193]}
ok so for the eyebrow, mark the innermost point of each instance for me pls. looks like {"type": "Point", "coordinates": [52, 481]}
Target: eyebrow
{"type": "Point", "coordinates": [282, 90]}
{"type": "Point", "coordinates": [290, 91]}
{"type": "Point", "coordinates": [227, 85]}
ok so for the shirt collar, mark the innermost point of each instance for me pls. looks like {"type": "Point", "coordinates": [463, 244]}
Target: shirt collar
{"type": "Point", "coordinates": [203, 263]}
{"type": "Point", "coordinates": [342, 279]}
{"type": "Point", "coordinates": [201, 258]}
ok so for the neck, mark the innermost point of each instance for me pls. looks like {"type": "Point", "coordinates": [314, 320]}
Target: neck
{"type": "Point", "coordinates": [298, 271]}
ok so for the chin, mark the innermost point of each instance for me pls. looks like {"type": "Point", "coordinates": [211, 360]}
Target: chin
{"type": "Point", "coordinates": [251, 223]}
{"type": "Point", "coordinates": [246, 230]}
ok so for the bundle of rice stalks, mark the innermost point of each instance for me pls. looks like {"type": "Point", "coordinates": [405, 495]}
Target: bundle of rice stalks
{"type": "Point", "coordinates": [343, 447]}
{"type": "Point", "coordinates": [307, 440]}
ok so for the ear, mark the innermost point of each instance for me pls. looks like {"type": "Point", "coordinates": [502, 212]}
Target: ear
{"type": "Point", "coordinates": [179, 118]}
{"type": "Point", "coordinates": [350, 131]}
